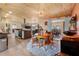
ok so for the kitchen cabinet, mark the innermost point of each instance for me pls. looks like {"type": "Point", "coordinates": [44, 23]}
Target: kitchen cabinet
{"type": "Point", "coordinates": [3, 41]}
{"type": "Point", "coordinates": [70, 45]}
{"type": "Point", "coordinates": [26, 34]}
{"type": "Point", "coordinates": [23, 33]}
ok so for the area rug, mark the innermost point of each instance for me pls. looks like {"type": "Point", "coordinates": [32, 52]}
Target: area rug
{"type": "Point", "coordinates": [44, 50]}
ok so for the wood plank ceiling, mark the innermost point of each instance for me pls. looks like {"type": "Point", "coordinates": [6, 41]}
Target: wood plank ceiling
{"type": "Point", "coordinates": [29, 10]}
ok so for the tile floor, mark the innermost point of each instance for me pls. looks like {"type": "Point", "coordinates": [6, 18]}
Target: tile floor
{"type": "Point", "coordinates": [16, 47]}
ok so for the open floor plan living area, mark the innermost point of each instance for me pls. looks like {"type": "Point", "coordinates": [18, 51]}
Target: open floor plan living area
{"type": "Point", "coordinates": [39, 29]}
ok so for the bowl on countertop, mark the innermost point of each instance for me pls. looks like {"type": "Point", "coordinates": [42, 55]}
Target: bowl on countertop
{"type": "Point", "coordinates": [69, 33]}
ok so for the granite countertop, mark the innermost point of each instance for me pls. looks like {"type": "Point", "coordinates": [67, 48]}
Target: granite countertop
{"type": "Point", "coordinates": [24, 29]}
{"type": "Point", "coordinates": [3, 35]}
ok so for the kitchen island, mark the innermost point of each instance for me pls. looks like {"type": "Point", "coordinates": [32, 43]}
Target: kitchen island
{"type": "Point", "coordinates": [3, 41]}
{"type": "Point", "coordinates": [23, 33]}
{"type": "Point", "coordinates": [70, 45]}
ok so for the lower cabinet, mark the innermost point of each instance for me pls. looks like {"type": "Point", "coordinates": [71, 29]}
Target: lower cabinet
{"type": "Point", "coordinates": [70, 47]}
{"type": "Point", "coordinates": [3, 42]}
{"type": "Point", "coordinates": [23, 34]}
{"type": "Point", "coordinates": [26, 34]}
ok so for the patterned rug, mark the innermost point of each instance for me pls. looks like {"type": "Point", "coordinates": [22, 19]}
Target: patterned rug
{"type": "Point", "coordinates": [44, 50]}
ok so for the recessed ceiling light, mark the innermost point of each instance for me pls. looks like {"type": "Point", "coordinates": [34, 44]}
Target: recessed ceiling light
{"type": "Point", "coordinates": [5, 16]}
{"type": "Point", "coordinates": [10, 12]}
